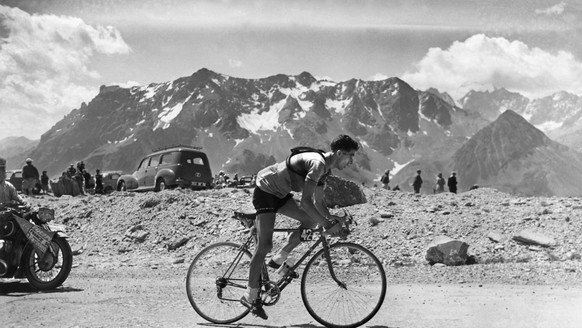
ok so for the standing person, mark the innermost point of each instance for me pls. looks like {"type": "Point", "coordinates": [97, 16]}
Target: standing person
{"type": "Point", "coordinates": [385, 179]}
{"type": "Point", "coordinates": [452, 182]}
{"type": "Point", "coordinates": [87, 177]}
{"type": "Point", "coordinates": [29, 177]}
{"type": "Point", "coordinates": [72, 171]}
{"type": "Point", "coordinates": [44, 181]}
{"type": "Point", "coordinates": [304, 172]}
{"type": "Point", "coordinates": [417, 182]}
{"type": "Point", "coordinates": [98, 182]}
{"type": "Point", "coordinates": [79, 179]}
{"type": "Point", "coordinates": [440, 184]}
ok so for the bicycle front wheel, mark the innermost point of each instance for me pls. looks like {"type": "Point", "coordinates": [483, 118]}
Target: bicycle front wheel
{"type": "Point", "coordinates": [357, 293]}
{"type": "Point", "coordinates": [216, 281]}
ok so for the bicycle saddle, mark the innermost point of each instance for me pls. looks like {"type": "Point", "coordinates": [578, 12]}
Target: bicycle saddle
{"type": "Point", "coordinates": [246, 217]}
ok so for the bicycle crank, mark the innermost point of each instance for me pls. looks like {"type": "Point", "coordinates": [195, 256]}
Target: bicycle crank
{"type": "Point", "coordinates": [270, 293]}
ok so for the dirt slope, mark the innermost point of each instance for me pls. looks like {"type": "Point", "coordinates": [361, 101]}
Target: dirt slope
{"type": "Point", "coordinates": [152, 229]}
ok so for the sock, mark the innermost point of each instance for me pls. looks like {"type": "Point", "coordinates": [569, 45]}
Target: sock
{"type": "Point", "coordinates": [252, 294]}
{"type": "Point", "coordinates": [280, 257]}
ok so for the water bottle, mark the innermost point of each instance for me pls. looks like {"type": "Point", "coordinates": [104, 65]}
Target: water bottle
{"type": "Point", "coordinates": [284, 268]}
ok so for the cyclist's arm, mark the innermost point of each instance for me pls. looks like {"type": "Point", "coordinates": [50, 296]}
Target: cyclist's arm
{"type": "Point", "coordinates": [308, 204]}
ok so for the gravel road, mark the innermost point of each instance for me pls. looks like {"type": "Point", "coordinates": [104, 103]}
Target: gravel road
{"type": "Point", "coordinates": [140, 296]}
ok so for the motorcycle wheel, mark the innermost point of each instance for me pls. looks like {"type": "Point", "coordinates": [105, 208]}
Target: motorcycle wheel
{"type": "Point", "coordinates": [51, 271]}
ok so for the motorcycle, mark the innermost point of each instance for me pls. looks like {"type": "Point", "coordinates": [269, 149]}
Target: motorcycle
{"type": "Point", "coordinates": [33, 248]}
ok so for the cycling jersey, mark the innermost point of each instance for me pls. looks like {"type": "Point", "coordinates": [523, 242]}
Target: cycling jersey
{"type": "Point", "coordinates": [278, 180]}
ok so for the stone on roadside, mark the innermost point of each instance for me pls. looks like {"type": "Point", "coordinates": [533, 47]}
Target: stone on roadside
{"type": "Point", "coordinates": [535, 238]}
{"type": "Point", "coordinates": [495, 236]}
{"type": "Point", "coordinates": [374, 221]}
{"type": "Point", "coordinates": [177, 242]}
{"type": "Point", "coordinates": [448, 251]}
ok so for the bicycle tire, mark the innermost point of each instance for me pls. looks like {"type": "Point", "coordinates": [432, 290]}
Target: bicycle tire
{"type": "Point", "coordinates": [201, 283]}
{"type": "Point", "coordinates": [336, 307]}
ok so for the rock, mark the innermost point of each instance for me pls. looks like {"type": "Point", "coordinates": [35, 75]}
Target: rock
{"type": "Point", "coordinates": [177, 242]}
{"type": "Point", "coordinates": [386, 215]}
{"type": "Point", "coordinates": [448, 251]}
{"type": "Point", "coordinates": [342, 193]}
{"type": "Point", "coordinates": [535, 238]}
{"type": "Point", "coordinates": [495, 236]}
{"type": "Point", "coordinates": [374, 221]}
{"type": "Point", "coordinates": [137, 233]}
{"type": "Point", "coordinates": [571, 255]}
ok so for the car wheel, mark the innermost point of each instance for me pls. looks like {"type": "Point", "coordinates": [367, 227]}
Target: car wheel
{"type": "Point", "coordinates": [108, 189]}
{"type": "Point", "coordinates": [121, 186]}
{"type": "Point", "coordinates": [160, 185]}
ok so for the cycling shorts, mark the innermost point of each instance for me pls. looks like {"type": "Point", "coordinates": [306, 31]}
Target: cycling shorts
{"type": "Point", "coordinates": [265, 202]}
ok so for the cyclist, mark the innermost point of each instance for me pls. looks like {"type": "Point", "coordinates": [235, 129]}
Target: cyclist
{"type": "Point", "coordinates": [304, 172]}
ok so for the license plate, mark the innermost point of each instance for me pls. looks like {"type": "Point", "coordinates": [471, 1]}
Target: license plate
{"type": "Point", "coordinates": [199, 184]}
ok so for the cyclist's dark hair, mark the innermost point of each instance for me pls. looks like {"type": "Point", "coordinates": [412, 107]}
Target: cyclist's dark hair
{"type": "Point", "coordinates": [344, 142]}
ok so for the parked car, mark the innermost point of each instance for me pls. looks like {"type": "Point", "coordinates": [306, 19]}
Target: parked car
{"type": "Point", "coordinates": [15, 178]}
{"type": "Point", "coordinates": [246, 182]}
{"type": "Point", "coordinates": [110, 180]}
{"type": "Point", "coordinates": [169, 167]}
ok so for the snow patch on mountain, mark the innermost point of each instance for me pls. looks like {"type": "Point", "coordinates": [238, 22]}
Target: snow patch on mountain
{"type": "Point", "coordinates": [266, 120]}
{"type": "Point", "coordinates": [338, 105]}
{"type": "Point", "coordinates": [167, 115]}
{"type": "Point", "coordinates": [549, 126]}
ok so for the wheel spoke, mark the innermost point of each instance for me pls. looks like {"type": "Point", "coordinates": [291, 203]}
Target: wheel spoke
{"type": "Point", "coordinates": [364, 279]}
{"type": "Point", "coordinates": [212, 263]}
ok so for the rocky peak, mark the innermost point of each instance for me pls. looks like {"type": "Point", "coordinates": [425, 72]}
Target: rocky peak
{"type": "Point", "coordinates": [305, 79]}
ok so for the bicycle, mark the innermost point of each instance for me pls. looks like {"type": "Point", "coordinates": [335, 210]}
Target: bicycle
{"type": "Point", "coordinates": [343, 284]}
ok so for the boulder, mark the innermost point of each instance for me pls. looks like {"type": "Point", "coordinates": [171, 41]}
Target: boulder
{"type": "Point", "coordinates": [448, 251]}
{"type": "Point", "coordinates": [534, 238]}
{"type": "Point", "coordinates": [177, 242]}
{"type": "Point", "coordinates": [340, 192]}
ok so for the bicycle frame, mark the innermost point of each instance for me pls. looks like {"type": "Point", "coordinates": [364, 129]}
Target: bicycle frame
{"type": "Point", "coordinates": [284, 280]}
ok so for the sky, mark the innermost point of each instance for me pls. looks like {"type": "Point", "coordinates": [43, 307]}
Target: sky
{"type": "Point", "coordinates": [55, 54]}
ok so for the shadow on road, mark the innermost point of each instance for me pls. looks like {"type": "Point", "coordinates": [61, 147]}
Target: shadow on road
{"type": "Point", "coordinates": [16, 289]}
{"type": "Point", "coordinates": [237, 325]}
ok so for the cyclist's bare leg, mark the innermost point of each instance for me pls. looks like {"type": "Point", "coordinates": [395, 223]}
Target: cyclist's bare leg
{"type": "Point", "coordinates": [265, 224]}
{"type": "Point", "coordinates": [292, 210]}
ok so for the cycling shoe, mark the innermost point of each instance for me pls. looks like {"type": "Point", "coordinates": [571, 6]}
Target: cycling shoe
{"type": "Point", "coordinates": [256, 308]}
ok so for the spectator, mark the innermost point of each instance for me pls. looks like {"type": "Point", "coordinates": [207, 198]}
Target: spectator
{"type": "Point", "coordinates": [29, 177]}
{"type": "Point", "coordinates": [44, 181]}
{"type": "Point", "coordinates": [440, 184]}
{"type": "Point", "coordinates": [80, 166]}
{"type": "Point", "coordinates": [417, 182]}
{"type": "Point", "coordinates": [79, 179]}
{"type": "Point", "coordinates": [452, 182]}
{"type": "Point", "coordinates": [72, 171]}
{"type": "Point", "coordinates": [98, 182]}
{"type": "Point", "coordinates": [385, 179]}
{"type": "Point", "coordinates": [87, 177]}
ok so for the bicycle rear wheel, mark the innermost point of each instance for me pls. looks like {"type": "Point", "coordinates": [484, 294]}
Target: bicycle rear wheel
{"type": "Point", "coordinates": [217, 280]}
{"type": "Point", "coordinates": [362, 293]}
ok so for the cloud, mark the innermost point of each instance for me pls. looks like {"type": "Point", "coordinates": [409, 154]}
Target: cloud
{"type": "Point", "coordinates": [553, 10]}
{"type": "Point", "coordinates": [482, 63]}
{"type": "Point", "coordinates": [233, 63]}
{"type": "Point", "coordinates": [44, 67]}
{"type": "Point", "coordinates": [378, 77]}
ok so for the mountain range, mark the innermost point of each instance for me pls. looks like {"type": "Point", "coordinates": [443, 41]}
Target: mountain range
{"type": "Point", "coordinates": [245, 124]}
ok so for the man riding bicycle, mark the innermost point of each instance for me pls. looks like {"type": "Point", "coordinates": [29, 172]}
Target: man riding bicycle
{"type": "Point", "coordinates": [304, 172]}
